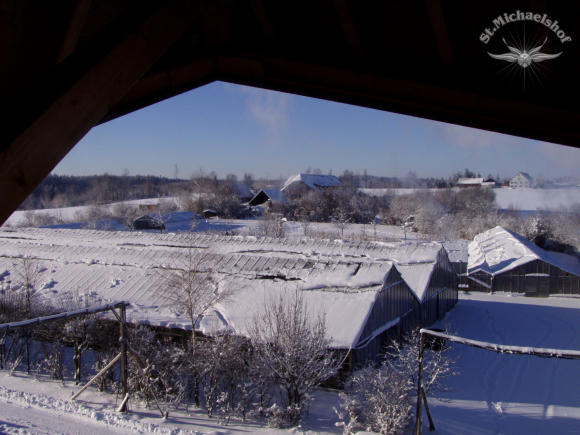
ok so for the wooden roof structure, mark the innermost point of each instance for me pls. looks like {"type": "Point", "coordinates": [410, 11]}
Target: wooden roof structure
{"type": "Point", "coordinates": [67, 65]}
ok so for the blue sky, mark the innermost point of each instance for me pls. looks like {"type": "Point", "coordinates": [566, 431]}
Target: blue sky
{"type": "Point", "coordinates": [236, 129]}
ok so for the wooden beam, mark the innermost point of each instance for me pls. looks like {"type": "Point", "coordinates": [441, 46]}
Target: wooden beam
{"type": "Point", "coordinates": [441, 36]}
{"type": "Point", "coordinates": [73, 32]}
{"type": "Point", "coordinates": [265, 22]}
{"type": "Point", "coordinates": [84, 88]}
{"type": "Point", "coordinates": [348, 28]}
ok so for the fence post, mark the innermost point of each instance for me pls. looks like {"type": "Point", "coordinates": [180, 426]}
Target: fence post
{"type": "Point", "coordinates": [123, 343]}
{"type": "Point", "coordinates": [420, 385]}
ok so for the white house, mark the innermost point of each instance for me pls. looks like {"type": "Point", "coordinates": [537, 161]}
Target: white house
{"type": "Point", "coordinates": [303, 183]}
{"type": "Point", "coordinates": [522, 179]}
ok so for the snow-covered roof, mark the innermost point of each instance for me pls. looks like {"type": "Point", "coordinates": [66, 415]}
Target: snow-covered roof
{"type": "Point", "coordinates": [457, 250]}
{"type": "Point", "coordinates": [242, 190]}
{"type": "Point", "coordinates": [341, 278]}
{"type": "Point", "coordinates": [499, 250]}
{"type": "Point", "coordinates": [313, 181]}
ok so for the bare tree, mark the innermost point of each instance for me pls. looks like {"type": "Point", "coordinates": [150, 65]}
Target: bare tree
{"type": "Point", "coordinates": [293, 345]}
{"type": "Point", "coordinates": [191, 284]}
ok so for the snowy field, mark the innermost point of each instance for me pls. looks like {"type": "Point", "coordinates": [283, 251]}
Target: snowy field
{"type": "Point", "coordinates": [494, 394]}
{"type": "Point", "coordinates": [521, 199]}
{"type": "Point", "coordinates": [181, 221]}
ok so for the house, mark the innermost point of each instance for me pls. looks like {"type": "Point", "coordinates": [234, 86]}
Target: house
{"type": "Point", "coordinates": [148, 222]}
{"type": "Point", "coordinates": [304, 183]}
{"type": "Point", "coordinates": [272, 195]}
{"type": "Point", "coordinates": [521, 180]}
{"type": "Point", "coordinates": [503, 261]}
{"type": "Point", "coordinates": [370, 292]}
{"type": "Point", "coordinates": [488, 183]}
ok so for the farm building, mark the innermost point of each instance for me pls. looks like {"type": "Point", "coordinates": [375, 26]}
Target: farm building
{"type": "Point", "coordinates": [304, 183]}
{"type": "Point", "coordinates": [501, 260]}
{"type": "Point", "coordinates": [371, 292]}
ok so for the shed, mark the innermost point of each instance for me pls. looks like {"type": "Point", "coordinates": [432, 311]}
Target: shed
{"type": "Point", "coordinates": [209, 213]}
{"type": "Point", "coordinates": [371, 292]}
{"type": "Point", "coordinates": [501, 260]}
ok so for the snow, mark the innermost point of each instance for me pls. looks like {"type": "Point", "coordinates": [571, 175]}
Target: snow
{"type": "Point", "coordinates": [511, 394]}
{"type": "Point", "coordinates": [499, 250]}
{"type": "Point", "coordinates": [457, 250]}
{"type": "Point", "coordinates": [42, 407]}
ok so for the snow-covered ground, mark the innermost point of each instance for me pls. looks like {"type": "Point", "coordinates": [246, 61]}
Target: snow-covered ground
{"type": "Point", "coordinates": [494, 393]}
{"type": "Point", "coordinates": [512, 394]}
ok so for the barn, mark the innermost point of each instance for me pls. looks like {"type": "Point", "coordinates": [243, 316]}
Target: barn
{"type": "Point", "coordinates": [371, 292]}
{"type": "Point", "coordinates": [503, 261]}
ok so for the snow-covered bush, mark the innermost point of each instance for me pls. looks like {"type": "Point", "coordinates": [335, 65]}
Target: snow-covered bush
{"type": "Point", "coordinates": [293, 346]}
{"type": "Point", "coordinates": [381, 399]}
{"type": "Point", "coordinates": [377, 399]}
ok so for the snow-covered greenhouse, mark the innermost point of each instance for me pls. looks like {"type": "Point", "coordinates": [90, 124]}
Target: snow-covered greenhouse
{"type": "Point", "coordinates": [370, 292]}
{"type": "Point", "coordinates": [503, 261]}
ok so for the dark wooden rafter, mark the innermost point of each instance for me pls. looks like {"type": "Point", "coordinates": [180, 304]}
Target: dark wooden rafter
{"type": "Point", "coordinates": [218, 24]}
{"type": "Point", "coordinates": [441, 35]}
{"type": "Point", "coordinates": [265, 23]}
{"type": "Point", "coordinates": [348, 28]}
{"type": "Point", "coordinates": [73, 32]}
{"type": "Point", "coordinates": [88, 92]}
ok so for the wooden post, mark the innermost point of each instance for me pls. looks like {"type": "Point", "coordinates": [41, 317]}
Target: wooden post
{"type": "Point", "coordinates": [123, 343]}
{"type": "Point", "coordinates": [420, 384]}
{"type": "Point", "coordinates": [431, 424]}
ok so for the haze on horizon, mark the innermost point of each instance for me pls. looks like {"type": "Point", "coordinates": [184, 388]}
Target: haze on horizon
{"type": "Point", "coordinates": [237, 129]}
